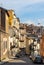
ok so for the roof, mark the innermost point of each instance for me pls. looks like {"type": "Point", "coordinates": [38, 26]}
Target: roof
{"type": "Point", "coordinates": [5, 10]}
{"type": "Point", "coordinates": [22, 26]}
{"type": "Point", "coordinates": [32, 35]}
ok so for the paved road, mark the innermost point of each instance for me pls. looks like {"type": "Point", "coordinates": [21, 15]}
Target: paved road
{"type": "Point", "coordinates": [21, 61]}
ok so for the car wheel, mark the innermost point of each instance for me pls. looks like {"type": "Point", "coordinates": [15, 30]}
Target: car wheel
{"type": "Point", "coordinates": [34, 62]}
{"type": "Point", "coordinates": [41, 61]}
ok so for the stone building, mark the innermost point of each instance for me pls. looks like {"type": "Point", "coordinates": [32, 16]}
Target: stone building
{"type": "Point", "coordinates": [3, 33]}
{"type": "Point", "coordinates": [22, 38]}
{"type": "Point", "coordinates": [13, 32]}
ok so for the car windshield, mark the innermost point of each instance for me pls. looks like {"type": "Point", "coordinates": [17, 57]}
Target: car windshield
{"type": "Point", "coordinates": [38, 57]}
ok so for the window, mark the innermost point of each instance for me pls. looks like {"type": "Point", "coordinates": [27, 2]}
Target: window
{"type": "Point", "coordinates": [3, 19]}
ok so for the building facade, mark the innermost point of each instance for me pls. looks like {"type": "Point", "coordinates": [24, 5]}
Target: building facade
{"type": "Point", "coordinates": [3, 33]}
{"type": "Point", "coordinates": [13, 33]}
{"type": "Point", "coordinates": [42, 46]}
{"type": "Point", "coordinates": [22, 38]}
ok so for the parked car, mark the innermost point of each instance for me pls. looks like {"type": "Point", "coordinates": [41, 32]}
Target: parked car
{"type": "Point", "coordinates": [37, 59]}
{"type": "Point", "coordinates": [21, 54]}
{"type": "Point", "coordinates": [17, 55]}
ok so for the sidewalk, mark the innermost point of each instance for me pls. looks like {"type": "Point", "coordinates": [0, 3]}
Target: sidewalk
{"type": "Point", "coordinates": [1, 62]}
{"type": "Point", "coordinates": [5, 61]}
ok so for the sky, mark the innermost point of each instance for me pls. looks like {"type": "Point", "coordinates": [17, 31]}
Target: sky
{"type": "Point", "coordinates": [28, 11]}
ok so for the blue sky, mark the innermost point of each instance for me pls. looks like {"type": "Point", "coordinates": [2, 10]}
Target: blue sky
{"type": "Point", "coordinates": [29, 11]}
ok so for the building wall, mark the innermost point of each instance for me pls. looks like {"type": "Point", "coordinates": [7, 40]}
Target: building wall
{"type": "Point", "coordinates": [16, 23]}
{"type": "Point", "coordinates": [11, 17]}
{"type": "Point", "coordinates": [6, 23]}
{"type": "Point", "coordinates": [13, 32]}
{"type": "Point", "coordinates": [0, 34]}
{"type": "Point", "coordinates": [3, 19]}
{"type": "Point", "coordinates": [22, 31]}
{"type": "Point", "coordinates": [22, 38]}
{"type": "Point", "coordinates": [42, 46]}
{"type": "Point", "coordinates": [0, 18]}
{"type": "Point", "coordinates": [4, 43]}
{"type": "Point", "coordinates": [28, 42]}
{"type": "Point", "coordinates": [3, 34]}
{"type": "Point", "coordinates": [27, 46]}
{"type": "Point", "coordinates": [0, 45]}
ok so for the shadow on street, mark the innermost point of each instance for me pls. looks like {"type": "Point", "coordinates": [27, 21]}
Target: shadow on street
{"type": "Point", "coordinates": [21, 61]}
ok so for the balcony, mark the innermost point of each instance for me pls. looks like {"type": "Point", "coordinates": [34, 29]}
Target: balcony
{"type": "Point", "coordinates": [21, 39]}
{"type": "Point", "coordinates": [17, 36]}
{"type": "Point", "coordinates": [12, 34]}
{"type": "Point", "coordinates": [21, 28]}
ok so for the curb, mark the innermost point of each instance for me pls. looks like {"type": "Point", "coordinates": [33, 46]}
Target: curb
{"type": "Point", "coordinates": [2, 63]}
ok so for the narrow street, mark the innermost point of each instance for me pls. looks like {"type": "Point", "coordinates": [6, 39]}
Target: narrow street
{"type": "Point", "coordinates": [20, 61]}
{"type": "Point", "coordinates": [21, 32]}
